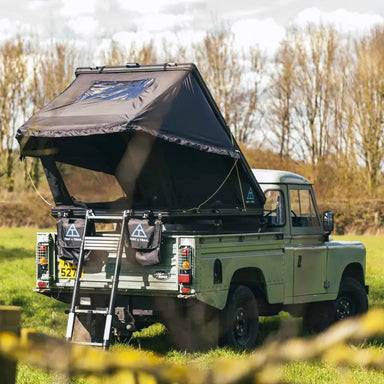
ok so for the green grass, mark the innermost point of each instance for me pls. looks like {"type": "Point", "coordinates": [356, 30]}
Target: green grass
{"type": "Point", "coordinates": [319, 373]}
{"type": "Point", "coordinates": [17, 280]}
{"type": "Point", "coordinates": [375, 267]}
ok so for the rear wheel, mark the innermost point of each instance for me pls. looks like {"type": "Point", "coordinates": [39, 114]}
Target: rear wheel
{"type": "Point", "coordinates": [240, 319]}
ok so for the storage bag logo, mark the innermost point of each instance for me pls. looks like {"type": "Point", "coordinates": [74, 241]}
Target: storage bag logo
{"type": "Point", "coordinates": [250, 196]}
{"type": "Point", "coordinates": [139, 234]}
{"type": "Point", "coordinates": [72, 233]}
{"type": "Point", "coordinates": [142, 241]}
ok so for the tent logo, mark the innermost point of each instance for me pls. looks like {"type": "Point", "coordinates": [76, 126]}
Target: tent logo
{"type": "Point", "coordinates": [72, 232]}
{"type": "Point", "coordinates": [250, 196]}
{"type": "Point", "coordinates": [139, 232]}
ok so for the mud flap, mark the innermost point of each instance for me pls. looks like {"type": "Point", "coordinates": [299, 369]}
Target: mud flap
{"type": "Point", "coordinates": [193, 327]}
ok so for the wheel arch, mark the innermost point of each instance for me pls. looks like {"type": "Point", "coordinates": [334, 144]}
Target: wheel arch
{"type": "Point", "coordinates": [251, 277]}
{"type": "Point", "coordinates": [355, 271]}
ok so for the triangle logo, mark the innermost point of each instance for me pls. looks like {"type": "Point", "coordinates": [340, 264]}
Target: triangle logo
{"type": "Point", "coordinates": [72, 231]}
{"type": "Point", "coordinates": [139, 232]}
{"type": "Point", "coordinates": [250, 195]}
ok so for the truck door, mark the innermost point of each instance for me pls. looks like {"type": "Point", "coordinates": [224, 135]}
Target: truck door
{"type": "Point", "coordinates": [310, 253]}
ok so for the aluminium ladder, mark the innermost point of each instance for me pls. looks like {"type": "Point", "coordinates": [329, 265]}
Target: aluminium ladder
{"type": "Point", "coordinates": [97, 243]}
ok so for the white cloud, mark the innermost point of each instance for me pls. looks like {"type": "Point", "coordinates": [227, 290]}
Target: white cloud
{"type": "Point", "coordinates": [172, 39]}
{"type": "Point", "coordinates": [148, 6]}
{"type": "Point", "coordinates": [76, 7]}
{"type": "Point", "coordinates": [342, 19]}
{"type": "Point", "coordinates": [36, 4]}
{"type": "Point", "coordinates": [266, 33]}
{"type": "Point", "coordinates": [84, 25]}
{"type": "Point", "coordinates": [161, 22]}
{"type": "Point", "coordinates": [7, 29]}
{"type": "Point", "coordinates": [126, 39]}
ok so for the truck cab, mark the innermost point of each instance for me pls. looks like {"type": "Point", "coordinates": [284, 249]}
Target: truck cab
{"type": "Point", "coordinates": [318, 270]}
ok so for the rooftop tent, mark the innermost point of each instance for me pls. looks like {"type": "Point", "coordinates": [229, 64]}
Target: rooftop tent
{"type": "Point", "coordinates": [155, 128]}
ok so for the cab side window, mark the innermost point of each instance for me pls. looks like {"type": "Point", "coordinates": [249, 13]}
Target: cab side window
{"type": "Point", "coordinates": [303, 212]}
{"type": "Point", "coordinates": [274, 208]}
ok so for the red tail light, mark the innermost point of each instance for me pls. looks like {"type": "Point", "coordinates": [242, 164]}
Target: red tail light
{"type": "Point", "coordinates": [185, 278]}
{"type": "Point", "coordinates": [43, 248]}
{"type": "Point", "coordinates": [185, 264]}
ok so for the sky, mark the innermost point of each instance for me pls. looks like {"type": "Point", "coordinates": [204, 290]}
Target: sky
{"type": "Point", "coordinates": [98, 22]}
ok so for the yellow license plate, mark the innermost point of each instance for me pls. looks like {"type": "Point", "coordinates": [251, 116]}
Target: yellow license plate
{"type": "Point", "coordinates": [68, 270]}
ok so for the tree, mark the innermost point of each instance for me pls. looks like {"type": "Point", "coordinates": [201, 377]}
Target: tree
{"type": "Point", "coordinates": [283, 83]}
{"type": "Point", "coordinates": [117, 55]}
{"type": "Point", "coordinates": [343, 143]}
{"type": "Point", "coordinates": [52, 72]}
{"type": "Point", "coordinates": [367, 91]}
{"type": "Point", "coordinates": [13, 74]}
{"type": "Point", "coordinates": [316, 48]}
{"type": "Point", "coordinates": [235, 80]}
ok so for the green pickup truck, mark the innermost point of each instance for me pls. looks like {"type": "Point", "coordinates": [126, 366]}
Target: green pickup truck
{"type": "Point", "coordinates": [195, 239]}
{"type": "Point", "coordinates": [212, 288]}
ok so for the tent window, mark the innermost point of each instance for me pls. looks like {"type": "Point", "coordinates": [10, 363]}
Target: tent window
{"type": "Point", "coordinates": [115, 90]}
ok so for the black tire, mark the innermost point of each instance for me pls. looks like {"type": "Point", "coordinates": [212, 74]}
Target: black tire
{"type": "Point", "coordinates": [351, 301]}
{"type": "Point", "coordinates": [239, 323]}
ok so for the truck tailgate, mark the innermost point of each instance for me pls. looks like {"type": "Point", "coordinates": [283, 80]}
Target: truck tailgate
{"type": "Point", "coordinates": [99, 267]}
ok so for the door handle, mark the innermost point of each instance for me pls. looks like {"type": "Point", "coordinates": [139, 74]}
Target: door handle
{"type": "Point", "coordinates": [299, 261]}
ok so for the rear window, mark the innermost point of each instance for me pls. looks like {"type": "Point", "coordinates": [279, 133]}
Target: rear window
{"type": "Point", "coordinates": [274, 208]}
{"type": "Point", "coordinates": [115, 90]}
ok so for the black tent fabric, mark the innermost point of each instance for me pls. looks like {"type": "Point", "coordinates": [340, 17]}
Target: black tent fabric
{"type": "Point", "coordinates": [167, 104]}
{"type": "Point", "coordinates": [155, 128]}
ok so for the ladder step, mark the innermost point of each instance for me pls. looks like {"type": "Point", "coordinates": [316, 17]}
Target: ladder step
{"type": "Point", "coordinates": [83, 280]}
{"type": "Point", "coordinates": [90, 343]}
{"type": "Point", "coordinates": [106, 217]}
{"type": "Point", "coordinates": [107, 243]}
{"type": "Point", "coordinates": [92, 311]}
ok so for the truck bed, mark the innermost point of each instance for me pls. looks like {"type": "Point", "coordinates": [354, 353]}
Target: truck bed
{"type": "Point", "coordinates": [209, 251]}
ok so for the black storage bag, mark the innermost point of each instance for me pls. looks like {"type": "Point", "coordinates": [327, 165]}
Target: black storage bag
{"type": "Point", "coordinates": [69, 236]}
{"type": "Point", "coordinates": [143, 237]}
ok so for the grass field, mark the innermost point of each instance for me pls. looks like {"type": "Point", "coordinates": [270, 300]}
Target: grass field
{"type": "Point", "coordinates": [17, 280]}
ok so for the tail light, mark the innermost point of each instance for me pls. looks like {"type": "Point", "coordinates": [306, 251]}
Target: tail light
{"type": "Point", "coordinates": [185, 264]}
{"type": "Point", "coordinates": [42, 253]}
{"type": "Point", "coordinates": [42, 250]}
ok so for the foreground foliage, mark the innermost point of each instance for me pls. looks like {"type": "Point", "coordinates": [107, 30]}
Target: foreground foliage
{"type": "Point", "coordinates": [17, 280]}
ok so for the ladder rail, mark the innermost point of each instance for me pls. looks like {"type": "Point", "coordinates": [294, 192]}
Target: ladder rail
{"type": "Point", "coordinates": [76, 288]}
{"type": "Point", "coordinates": [115, 283]}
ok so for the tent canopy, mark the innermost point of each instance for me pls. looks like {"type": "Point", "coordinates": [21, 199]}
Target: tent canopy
{"type": "Point", "coordinates": [156, 128]}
